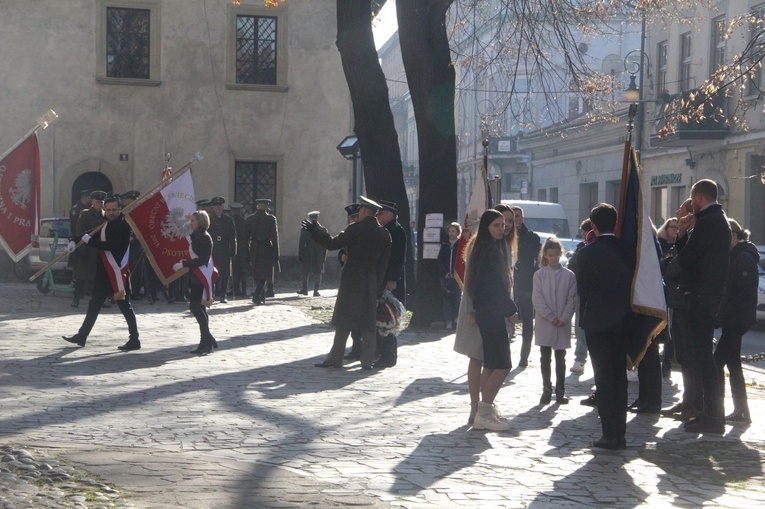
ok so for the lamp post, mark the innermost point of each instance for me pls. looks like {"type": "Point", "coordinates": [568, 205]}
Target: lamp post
{"type": "Point", "coordinates": [349, 149]}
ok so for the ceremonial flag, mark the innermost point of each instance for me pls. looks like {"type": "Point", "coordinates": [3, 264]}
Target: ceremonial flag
{"type": "Point", "coordinates": [634, 228]}
{"type": "Point", "coordinates": [479, 202]}
{"type": "Point", "coordinates": [161, 223]}
{"type": "Point", "coordinates": [20, 198]}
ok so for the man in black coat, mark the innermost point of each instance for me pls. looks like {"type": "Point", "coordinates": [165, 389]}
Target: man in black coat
{"type": "Point", "coordinates": [395, 278]}
{"type": "Point", "coordinates": [704, 256]}
{"type": "Point", "coordinates": [240, 265]}
{"type": "Point", "coordinates": [604, 278]}
{"type": "Point", "coordinates": [529, 245]}
{"type": "Point", "coordinates": [311, 257]}
{"type": "Point", "coordinates": [111, 272]}
{"type": "Point", "coordinates": [223, 232]}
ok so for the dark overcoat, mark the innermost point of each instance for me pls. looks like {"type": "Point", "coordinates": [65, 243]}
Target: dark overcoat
{"type": "Point", "coordinates": [87, 256]}
{"type": "Point", "coordinates": [74, 216]}
{"type": "Point", "coordinates": [222, 230]}
{"type": "Point", "coordinates": [739, 305]}
{"type": "Point", "coordinates": [395, 270]}
{"type": "Point", "coordinates": [363, 276]}
{"type": "Point", "coordinates": [529, 245]}
{"type": "Point", "coordinates": [310, 254]}
{"type": "Point", "coordinates": [262, 236]}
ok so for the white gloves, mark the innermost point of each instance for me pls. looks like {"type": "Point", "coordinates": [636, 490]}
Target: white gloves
{"type": "Point", "coordinates": [178, 266]}
{"type": "Point", "coordinates": [86, 238]}
{"type": "Point", "coordinates": [71, 246]}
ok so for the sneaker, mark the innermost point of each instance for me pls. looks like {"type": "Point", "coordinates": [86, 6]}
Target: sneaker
{"type": "Point", "coordinates": [488, 418]}
{"type": "Point", "coordinates": [578, 367]}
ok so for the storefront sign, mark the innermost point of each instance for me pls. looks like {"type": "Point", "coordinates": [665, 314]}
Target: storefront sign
{"type": "Point", "coordinates": [666, 179]}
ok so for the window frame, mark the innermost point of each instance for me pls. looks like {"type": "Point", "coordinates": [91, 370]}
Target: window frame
{"type": "Point", "coordinates": [155, 23]}
{"type": "Point", "coordinates": [282, 32]}
{"type": "Point", "coordinates": [278, 165]}
{"type": "Point", "coordinates": [717, 43]}
{"type": "Point", "coordinates": [662, 65]}
{"type": "Point", "coordinates": [686, 56]}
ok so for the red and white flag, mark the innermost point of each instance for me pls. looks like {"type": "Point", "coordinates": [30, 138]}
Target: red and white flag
{"type": "Point", "coordinates": [161, 223]}
{"type": "Point", "coordinates": [20, 198]}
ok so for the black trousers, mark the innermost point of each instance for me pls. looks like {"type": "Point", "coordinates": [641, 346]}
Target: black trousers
{"type": "Point", "coordinates": [702, 310]}
{"type": "Point", "coordinates": [102, 290]}
{"type": "Point", "coordinates": [728, 353]}
{"type": "Point", "coordinates": [199, 312]}
{"type": "Point", "coordinates": [526, 312]}
{"type": "Point", "coordinates": [681, 336]}
{"type": "Point", "coordinates": [608, 351]}
{"type": "Point", "coordinates": [649, 376]}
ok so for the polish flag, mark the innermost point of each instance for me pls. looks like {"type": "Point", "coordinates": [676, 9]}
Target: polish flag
{"type": "Point", "coordinates": [20, 198]}
{"type": "Point", "coordinates": [161, 223]}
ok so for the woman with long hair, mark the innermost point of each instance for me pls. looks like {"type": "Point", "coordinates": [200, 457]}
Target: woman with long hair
{"type": "Point", "coordinates": [487, 283]}
{"type": "Point", "coordinates": [667, 234]}
{"type": "Point", "coordinates": [200, 284]}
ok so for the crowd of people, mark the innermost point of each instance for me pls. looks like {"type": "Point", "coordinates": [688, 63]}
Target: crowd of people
{"type": "Point", "coordinates": [710, 276]}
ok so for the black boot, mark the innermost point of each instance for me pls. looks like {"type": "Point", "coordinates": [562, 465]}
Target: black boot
{"type": "Point", "coordinates": [546, 394]}
{"type": "Point", "coordinates": [205, 347]}
{"type": "Point", "coordinates": [559, 395]}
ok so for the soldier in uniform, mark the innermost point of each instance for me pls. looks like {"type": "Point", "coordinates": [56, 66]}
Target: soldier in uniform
{"type": "Point", "coordinates": [74, 215]}
{"type": "Point", "coordinates": [87, 256]}
{"type": "Point", "coordinates": [311, 257]}
{"type": "Point", "coordinates": [395, 277]}
{"type": "Point", "coordinates": [223, 232]}
{"type": "Point", "coordinates": [240, 263]}
{"type": "Point", "coordinates": [262, 235]}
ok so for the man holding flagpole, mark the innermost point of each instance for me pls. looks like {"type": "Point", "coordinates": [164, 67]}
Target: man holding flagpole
{"type": "Point", "coordinates": [112, 243]}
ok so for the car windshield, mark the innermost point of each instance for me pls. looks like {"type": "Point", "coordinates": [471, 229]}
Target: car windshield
{"type": "Point", "coordinates": [48, 228]}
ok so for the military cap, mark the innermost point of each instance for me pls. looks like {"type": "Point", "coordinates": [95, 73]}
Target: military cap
{"type": "Point", "coordinates": [352, 209]}
{"type": "Point", "coordinates": [203, 203]}
{"type": "Point", "coordinates": [262, 201]}
{"type": "Point", "coordinates": [130, 195]}
{"type": "Point", "coordinates": [370, 204]}
{"type": "Point", "coordinates": [313, 213]}
{"type": "Point", "coordinates": [218, 200]}
{"type": "Point", "coordinates": [389, 206]}
{"type": "Point", "coordinates": [86, 192]}
{"type": "Point", "coordinates": [235, 205]}
{"type": "Point", "coordinates": [98, 195]}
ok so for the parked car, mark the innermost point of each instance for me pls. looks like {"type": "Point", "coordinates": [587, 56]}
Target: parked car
{"type": "Point", "coordinates": [41, 248]}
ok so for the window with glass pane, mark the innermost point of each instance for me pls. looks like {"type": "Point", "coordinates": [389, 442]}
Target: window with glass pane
{"type": "Point", "coordinates": [256, 50]}
{"type": "Point", "coordinates": [661, 78]}
{"type": "Point", "coordinates": [254, 180]}
{"type": "Point", "coordinates": [719, 27]}
{"type": "Point", "coordinates": [685, 61]}
{"type": "Point", "coordinates": [127, 43]}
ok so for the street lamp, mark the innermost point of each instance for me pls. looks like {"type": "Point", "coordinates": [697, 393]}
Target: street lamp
{"type": "Point", "coordinates": [634, 63]}
{"type": "Point", "coordinates": [349, 149]}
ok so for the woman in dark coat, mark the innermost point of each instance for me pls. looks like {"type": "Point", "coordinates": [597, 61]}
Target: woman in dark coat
{"type": "Point", "coordinates": [487, 282]}
{"type": "Point", "coordinates": [201, 281]}
{"type": "Point", "coordinates": [450, 290]}
{"type": "Point", "coordinates": [738, 312]}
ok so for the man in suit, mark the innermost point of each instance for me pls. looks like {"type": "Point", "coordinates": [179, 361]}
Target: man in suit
{"type": "Point", "coordinates": [223, 232]}
{"type": "Point", "coordinates": [704, 256]}
{"type": "Point", "coordinates": [112, 246]}
{"type": "Point", "coordinates": [361, 281]}
{"type": "Point", "coordinates": [311, 257]}
{"type": "Point", "coordinates": [523, 280]}
{"type": "Point", "coordinates": [262, 234]}
{"type": "Point", "coordinates": [604, 278]}
{"type": "Point", "coordinates": [240, 265]}
{"type": "Point", "coordinates": [395, 277]}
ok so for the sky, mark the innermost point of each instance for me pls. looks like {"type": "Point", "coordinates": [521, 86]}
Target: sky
{"type": "Point", "coordinates": [385, 25]}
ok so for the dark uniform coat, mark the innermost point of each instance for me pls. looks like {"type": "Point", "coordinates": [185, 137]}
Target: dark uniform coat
{"type": "Point", "coordinates": [310, 254]}
{"type": "Point", "coordinates": [363, 276]}
{"type": "Point", "coordinates": [87, 256]}
{"type": "Point", "coordinates": [262, 236]}
{"type": "Point", "coordinates": [74, 216]}
{"type": "Point", "coordinates": [223, 232]}
{"type": "Point", "coordinates": [395, 270]}
{"type": "Point", "coordinates": [242, 253]}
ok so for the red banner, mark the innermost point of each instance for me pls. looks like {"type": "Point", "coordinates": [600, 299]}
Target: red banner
{"type": "Point", "coordinates": [162, 225]}
{"type": "Point", "coordinates": [20, 198]}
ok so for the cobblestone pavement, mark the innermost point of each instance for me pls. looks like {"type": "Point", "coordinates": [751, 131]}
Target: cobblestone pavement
{"type": "Point", "coordinates": [255, 424]}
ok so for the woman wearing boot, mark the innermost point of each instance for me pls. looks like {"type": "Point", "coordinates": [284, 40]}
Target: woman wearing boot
{"type": "Point", "coordinates": [487, 283]}
{"type": "Point", "coordinates": [738, 312]}
{"type": "Point", "coordinates": [200, 284]}
{"type": "Point", "coordinates": [554, 299]}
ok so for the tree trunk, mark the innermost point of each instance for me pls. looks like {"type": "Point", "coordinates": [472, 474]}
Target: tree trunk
{"type": "Point", "coordinates": [430, 74]}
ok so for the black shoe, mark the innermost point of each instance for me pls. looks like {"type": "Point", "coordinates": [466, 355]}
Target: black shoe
{"type": "Point", "coordinates": [590, 400]}
{"type": "Point", "coordinates": [224, 300]}
{"type": "Point", "coordinates": [705, 424]}
{"type": "Point", "coordinates": [130, 346]}
{"type": "Point", "coordinates": [302, 292]}
{"type": "Point", "coordinates": [352, 357]}
{"type": "Point", "coordinates": [612, 444]}
{"type": "Point", "coordinates": [272, 294]}
{"type": "Point", "coordinates": [635, 404]}
{"type": "Point", "coordinates": [381, 364]}
{"type": "Point", "coordinates": [76, 339]}
{"type": "Point", "coordinates": [646, 409]}
{"type": "Point", "coordinates": [202, 349]}
{"type": "Point", "coordinates": [546, 397]}
{"type": "Point", "coordinates": [675, 410]}
{"type": "Point", "coordinates": [326, 364]}
{"type": "Point", "coordinates": [316, 293]}
{"type": "Point", "coordinates": [739, 416]}
{"type": "Point", "coordinates": [75, 302]}
{"type": "Point", "coordinates": [560, 398]}
{"type": "Point", "coordinates": [214, 343]}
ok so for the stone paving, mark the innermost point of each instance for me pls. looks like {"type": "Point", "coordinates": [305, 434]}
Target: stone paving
{"type": "Point", "coordinates": [256, 425]}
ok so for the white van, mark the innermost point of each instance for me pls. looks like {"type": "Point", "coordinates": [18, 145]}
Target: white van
{"type": "Point", "coordinates": [543, 217]}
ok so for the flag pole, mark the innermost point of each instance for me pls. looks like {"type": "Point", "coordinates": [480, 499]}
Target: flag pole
{"type": "Point", "coordinates": [43, 121]}
{"type": "Point", "coordinates": [158, 187]}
